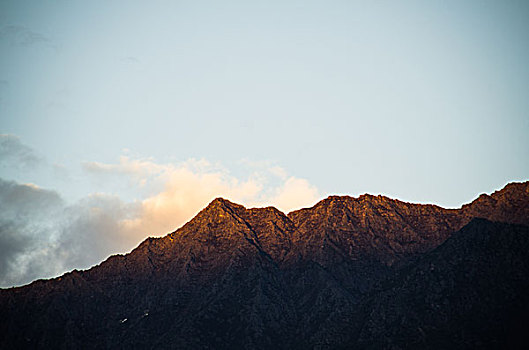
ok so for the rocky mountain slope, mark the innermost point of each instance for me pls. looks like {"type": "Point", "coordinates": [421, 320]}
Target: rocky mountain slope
{"type": "Point", "coordinates": [367, 272]}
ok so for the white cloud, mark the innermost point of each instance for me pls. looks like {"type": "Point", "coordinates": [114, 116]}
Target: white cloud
{"type": "Point", "coordinates": [191, 185]}
{"type": "Point", "coordinates": [279, 172]}
{"type": "Point", "coordinates": [294, 194]}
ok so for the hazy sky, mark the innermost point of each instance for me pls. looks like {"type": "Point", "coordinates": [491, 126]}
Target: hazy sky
{"type": "Point", "coordinates": [121, 119]}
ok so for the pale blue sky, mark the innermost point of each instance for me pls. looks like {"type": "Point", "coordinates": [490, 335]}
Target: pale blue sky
{"type": "Point", "coordinates": [420, 100]}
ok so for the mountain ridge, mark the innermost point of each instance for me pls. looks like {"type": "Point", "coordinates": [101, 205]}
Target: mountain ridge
{"type": "Point", "coordinates": [234, 277]}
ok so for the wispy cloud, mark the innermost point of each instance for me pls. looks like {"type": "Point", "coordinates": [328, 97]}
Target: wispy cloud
{"type": "Point", "coordinates": [14, 153]}
{"type": "Point", "coordinates": [18, 35]}
{"type": "Point", "coordinates": [130, 59]}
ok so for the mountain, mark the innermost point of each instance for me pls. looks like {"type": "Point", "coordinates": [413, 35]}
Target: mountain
{"type": "Point", "coordinates": [366, 272]}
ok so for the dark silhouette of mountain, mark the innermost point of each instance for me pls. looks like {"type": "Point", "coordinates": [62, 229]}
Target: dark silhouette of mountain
{"type": "Point", "coordinates": [470, 292]}
{"type": "Point", "coordinates": [367, 272]}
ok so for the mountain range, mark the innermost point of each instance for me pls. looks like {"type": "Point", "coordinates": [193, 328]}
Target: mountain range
{"type": "Point", "coordinates": [368, 272]}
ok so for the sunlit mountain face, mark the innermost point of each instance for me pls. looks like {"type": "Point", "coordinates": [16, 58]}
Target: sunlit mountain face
{"type": "Point", "coordinates": [366, 272]}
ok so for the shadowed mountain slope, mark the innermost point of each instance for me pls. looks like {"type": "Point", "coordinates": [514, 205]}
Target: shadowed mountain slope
{"type": "Point", "coordinates": [347, 272]}
{"type": "Point", "coordinates": [471, 292]}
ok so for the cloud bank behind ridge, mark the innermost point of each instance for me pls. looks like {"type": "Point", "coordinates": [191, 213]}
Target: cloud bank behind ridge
{"type": "Point", "coordinates": [42, 236]}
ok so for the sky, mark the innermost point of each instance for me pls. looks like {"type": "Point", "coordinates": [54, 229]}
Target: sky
{"type": "Point", "coordinates": [122, 119]}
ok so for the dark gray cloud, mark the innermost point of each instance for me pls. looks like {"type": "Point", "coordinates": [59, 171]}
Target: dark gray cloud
{"type": "Point", "coordinates": [15, 154]}
{"type": "Point", "coordinates": [26, 216]}
{"type": "Point", "coordinates": [41, 236]}
{"type": "Point", "coordinates": [12, 244]}
{"type": "Point", "coordinates": [26, 200]}
{"type": "Point", "coordinates": [92, 230]}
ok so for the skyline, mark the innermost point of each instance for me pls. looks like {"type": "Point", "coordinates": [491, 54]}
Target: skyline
{"type": "Point", "coordinates": [120, 120]}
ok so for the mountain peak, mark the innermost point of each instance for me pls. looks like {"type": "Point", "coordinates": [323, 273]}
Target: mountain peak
{"type": "Point", "coordinates": [366, 197]}
{"type": "Point", "coordinates": [222, 204]}
{"type": "Point", "coordinates": [516, 189]}
{"type": "Point", "coordinates": [222, 201]}
{"type": "Point", "coordinates": [509, 204]}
